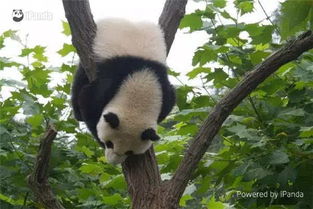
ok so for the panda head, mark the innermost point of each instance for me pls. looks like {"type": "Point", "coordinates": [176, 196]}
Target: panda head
{"type": "Point", "coordinates": [17, 15]}
{"type": "Point", "coordinates": [123, 136]}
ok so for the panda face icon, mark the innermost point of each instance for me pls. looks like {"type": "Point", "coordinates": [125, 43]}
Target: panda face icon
{"type": "Point", "coordinates": [17, 15]}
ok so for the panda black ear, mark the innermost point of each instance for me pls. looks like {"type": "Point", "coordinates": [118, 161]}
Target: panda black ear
{"type": "Point", "coordinates": [149, 134]}
{"type": "Point", "coordinates": [112, 119]}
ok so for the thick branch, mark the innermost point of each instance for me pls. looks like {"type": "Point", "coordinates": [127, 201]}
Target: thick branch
{"type": "Point", "coordinates": [222, 110]}
{"type": "Point", "coordinates": [38, 179]}
{"type": "Point", "coordinates": [142, 172]}
{"type": "Point", "coordinates": [143, 178]}
{"type": "Point", "coordinates": [173, 12]}
{"type": "Point", "coordinates": [83, 30]}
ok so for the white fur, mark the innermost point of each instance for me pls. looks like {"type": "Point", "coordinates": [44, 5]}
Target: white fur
{"type": "Point", "coordinates": [137, 105]}
{"type": "Point", "coordinates": [117, 37]}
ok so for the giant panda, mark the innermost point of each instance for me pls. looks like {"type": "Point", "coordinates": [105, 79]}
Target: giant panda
{"type": "Point", "coordinates": [132, 92]}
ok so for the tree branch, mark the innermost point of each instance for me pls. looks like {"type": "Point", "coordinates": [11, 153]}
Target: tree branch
{"type": "Point", "coordinates": [83, 30]}
{"type": "Point", "coordinates": [143, 178]}
{"type": "Point", "coordinates": [173, 12]}
{"type": "Point", "coordinates": [222, 110]}
{"type": "Point", "coordinates": [142, 171]}
{"type": "Point", "coordinates": [38, 179]}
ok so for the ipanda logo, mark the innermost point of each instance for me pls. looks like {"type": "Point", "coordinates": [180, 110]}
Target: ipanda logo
{"type": "Point", "coordinates": [17, 15]}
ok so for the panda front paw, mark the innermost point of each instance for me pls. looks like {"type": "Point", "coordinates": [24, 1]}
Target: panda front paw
{"type": "Point", "coordinates": [113, 158]}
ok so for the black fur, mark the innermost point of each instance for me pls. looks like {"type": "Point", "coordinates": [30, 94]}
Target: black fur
{"type": "Point", "coordinates": [109, 145]}
{"type": "Point", "coordinates": [149, 134]}
{"type": "Point", "coordinates": [112, 119]}
{"type": "Point", "coordinates": [89, 99]}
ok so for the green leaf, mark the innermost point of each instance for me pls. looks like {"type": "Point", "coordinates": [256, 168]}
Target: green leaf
{"type": "Point", "coordinates": [219, 3]}
{"type": "Point", "coordinates": [272, 85]}
{"type": "Point", "coordinates": [86, 151]}
{"type": "Point", "coordinates": [202, 101]}
{"type": "Point", "coordinates": [67, 48]}
{"type": "Point", "coordinates": [39, 53]}
{"type": "Point", "coordinates": [244, 133]}
{"type": "Point", "coordinates": [288, 174]}
{"type": "Point", "coordinates": [245, 7]}
{"type": "Point", "coordinates": [184, 199]}
{"type": "Point", "coordinates": [294, 18]}
{"type": "Point", "coordinates": [258, 56]}
{"type": "Point", "coordinates": [226, 15]}
{"type": "Point", "coordinates": [182, 93]}
{"type": "Point", "coordinates": [26, 51]}
{"type": "Point", "coordinates": [112, 200]}
{"type": "Point", "coordinates": [92, 169]}
{"type": "Point", "coordinates": [278, 157]}
{"type": "Point", "coordinates": [84, 193]}
{"type": "Point", "coordinates": [173, 73]}
{"type": "Point", "coordinates": [241, 170]}
{"type": "Point", "coordinates": [66, 28]}
{"type": "Point", "coordinates": [35, 120]}
{"type": "Point", "coordinates": [193, 21]}
{"type": "Point", "coordinates": [118, 182]}
{"type": "Point", "coordinates": [256, 173]}
{"type": "Point", "coordinates": [37, 81]}
{"type": "Point", "coordinates": [253, 29]}
{"type": "Point", "coordinates": [68, 68]}
{"type": "Point", "coordinates": [215, 204]}
{"type": "Point", "coordinates": [1, 42]}
{"type": "Point", "coordinates": [9, 33]}
{"type": "Point", "coordinates": [192, 74]}
{"type": "Point", "coordinates": [306, 132]}
{"type": "Point", "coordinates": [204, 55]}
{"type": "Point", "coordinates": [10, 200]}
{"type": "Point", "coordinates": [292, 112]}
{"type": "Point", "coordinates": [263, 37]}
{"type": "Point", "coordinates": [218, 76]}
{"type": "Point", "coordinates": [230, 31]}
{"type": "Point", "coordinates": [189, 129]}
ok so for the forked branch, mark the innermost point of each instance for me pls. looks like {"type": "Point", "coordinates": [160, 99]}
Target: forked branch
{"type": "Point", "coordinates": [38, 179]}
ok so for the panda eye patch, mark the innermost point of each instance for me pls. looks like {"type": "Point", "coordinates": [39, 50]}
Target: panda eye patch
{"type": "Point", "coordinates": [109, 144]}
{"type": "Point", "coordinates": [112, 119]}
{"type": "Point", "coordinates": [149, 134]}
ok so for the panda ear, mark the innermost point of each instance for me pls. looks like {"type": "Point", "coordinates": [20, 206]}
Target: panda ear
{"type": "Point", "coordinates": [149, 134]}
{"type": "Point", "coordinates": [112, 119]}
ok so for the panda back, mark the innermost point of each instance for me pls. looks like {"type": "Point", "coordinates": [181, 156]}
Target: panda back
{"type": "Point", "coordinates": [119, 37]}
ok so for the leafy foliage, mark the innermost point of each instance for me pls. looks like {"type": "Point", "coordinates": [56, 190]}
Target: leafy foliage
{"type": "Point", "coordinates": [265, 145]}
{"type": "Point", "coordinates": [267, 141]}
{"type": "Point", "coordinates": [302, 16]}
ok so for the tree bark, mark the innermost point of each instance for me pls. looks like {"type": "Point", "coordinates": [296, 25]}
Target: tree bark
{"type": "Point", "coordinates": [83, 30]}
{"type": "Point", "coordinates": [173, 12]}
{"type": "Point", "coordinates": [38, 179]}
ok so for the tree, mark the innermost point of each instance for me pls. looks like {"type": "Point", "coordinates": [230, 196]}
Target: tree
{"type": "Point", "coordinates": [141, 172]}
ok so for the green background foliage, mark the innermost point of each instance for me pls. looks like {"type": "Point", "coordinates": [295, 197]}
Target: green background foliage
{"type": "Point", "coordinates": [265, 145]}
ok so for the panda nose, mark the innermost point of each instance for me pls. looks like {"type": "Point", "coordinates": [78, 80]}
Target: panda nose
{"type": "Point", "coordinates": [109, 145]}
{"type": "Point", "coordinates": [128, 153]}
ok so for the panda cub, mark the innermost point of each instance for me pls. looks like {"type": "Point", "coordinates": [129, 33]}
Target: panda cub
{"type": "Point", "coordinates": [131, 94]}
